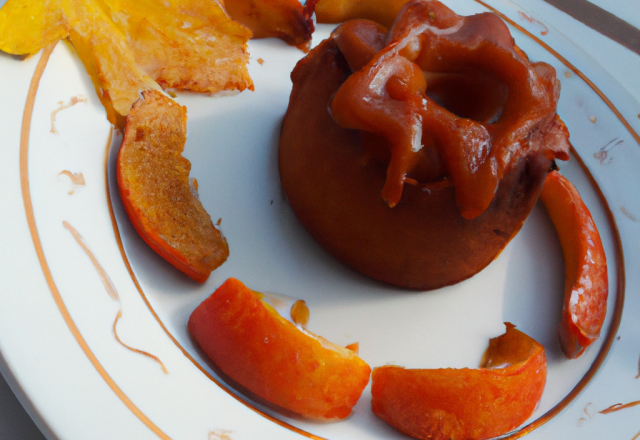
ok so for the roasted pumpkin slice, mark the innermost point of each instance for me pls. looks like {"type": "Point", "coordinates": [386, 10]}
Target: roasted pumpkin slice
{"type": "Point", "coordinates": [246, 338]}
{"type": "Point", "coordinates": [465, 404]}
{"type": "Point", "coordinates": [159, 198]}
{"type": "Point", "coordinates": [586, 278]}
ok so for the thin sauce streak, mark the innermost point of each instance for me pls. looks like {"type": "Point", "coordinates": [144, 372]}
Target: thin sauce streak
{"type": "Point", "coordinates": [37, 244]}
{"type": "Point", "coordinates": [111, 290]}
{"type": "Point", "coordinates": [135, 350]}
{"type": "Point", "coordinates": [632, 217]}
{"type": "Point", "coordinates": [77, 179]}
{"type": "Point", "coordinates": [590, 411]}
{"type": "Point", "coordinates": [220, 434]}
{"type": "Point", "coordinates": [619, 406]}
{"type": "Point", "coordinates": [73, 101]}
{"type": "Point", "coordinates": [603, 153]}
{"type": "Point", "coordinates": [106, 281]}
{"type": "Point", "coordinates": [531, 20]}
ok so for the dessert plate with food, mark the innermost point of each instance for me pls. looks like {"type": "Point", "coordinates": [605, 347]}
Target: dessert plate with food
{"type": "Point", "coordinates": [389, 219]}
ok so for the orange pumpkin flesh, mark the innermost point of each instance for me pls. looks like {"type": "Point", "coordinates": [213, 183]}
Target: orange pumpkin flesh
{"type": "Point", "coordinates": [153, 179]}
{"type": "Point", "coordinates": [465, 404]}
{"type": "Point", "coordinates": [586, 279]}
{"type": "Point", "coordinates": [282, 363]}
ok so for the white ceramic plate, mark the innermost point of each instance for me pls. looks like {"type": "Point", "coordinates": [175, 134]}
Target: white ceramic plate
{"type": "Point", "coordinates": [60, 300]}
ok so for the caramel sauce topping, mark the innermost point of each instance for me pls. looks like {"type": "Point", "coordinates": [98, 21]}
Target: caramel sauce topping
{"type": "Point", "coordinates": [300, 313]}
{"type": "Point", "coordinates": [449, 97]}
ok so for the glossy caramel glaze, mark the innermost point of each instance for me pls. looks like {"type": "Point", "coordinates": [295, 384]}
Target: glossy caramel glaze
{"type": "Point", "coordinates": [456, 85]}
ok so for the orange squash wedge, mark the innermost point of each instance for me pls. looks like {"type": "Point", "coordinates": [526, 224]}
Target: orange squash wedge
{"type": "Point", "coordinates": [465, 404]}
{"type": "Point", "coordinates": [286, 365]}
{"type": "Point", "coordinates": [160, 200]}
{"type": "Point", "coordinates": [586, 278]}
